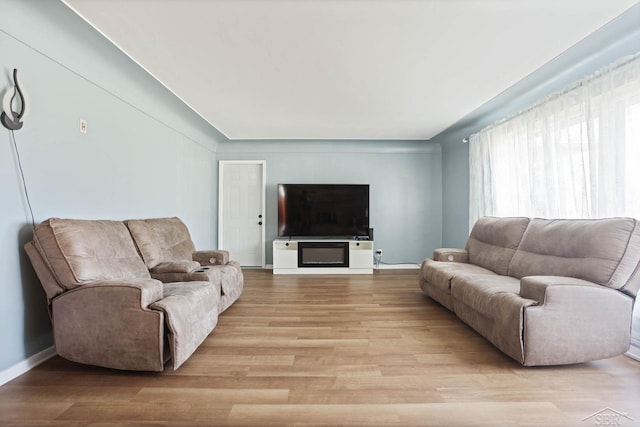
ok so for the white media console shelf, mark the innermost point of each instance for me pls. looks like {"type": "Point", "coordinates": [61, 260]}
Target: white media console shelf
{"type": "Point", "coordinates": [322, 256]}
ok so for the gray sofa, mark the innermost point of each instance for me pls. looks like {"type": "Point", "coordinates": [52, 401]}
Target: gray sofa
{"type": "Point", "coordinates": [545, 292]}
{"type": "Point", "coordinates": [105, 307]}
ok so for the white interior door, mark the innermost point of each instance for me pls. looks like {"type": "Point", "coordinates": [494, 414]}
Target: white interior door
{"type": "Point", "coordinates": [241, 206]}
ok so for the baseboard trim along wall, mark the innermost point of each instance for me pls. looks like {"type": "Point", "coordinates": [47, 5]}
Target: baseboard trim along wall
{"type": "Point", "coordinates": [398, 266]}
{"type": "Point", "coordinates": [634, 353]}
{"type": "Point", "coordinates": [26, 365]}
{"type": "Point", "coordinates": [382, 267]}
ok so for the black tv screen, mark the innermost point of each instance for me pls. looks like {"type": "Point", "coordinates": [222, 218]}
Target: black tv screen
{"type": "Point", "coordinates": [323, 210]}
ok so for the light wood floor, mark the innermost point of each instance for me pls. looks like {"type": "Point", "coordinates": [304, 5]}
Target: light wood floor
{"type": "Point", "coordinates": [333, 350]}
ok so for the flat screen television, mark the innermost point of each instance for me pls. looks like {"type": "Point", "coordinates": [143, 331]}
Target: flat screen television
{"type": "Point", "coordinates": [323, 210]}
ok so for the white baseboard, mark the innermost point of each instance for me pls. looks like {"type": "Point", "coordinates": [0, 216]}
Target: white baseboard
{"type": "Point", "coordinates": [634, 353]}
{"type": "Point", "coordinates": [26, 365]}
{"type": "Point", "coordinates": [382, 266]}
{"type": "Point", "coordinates": [398, 266]}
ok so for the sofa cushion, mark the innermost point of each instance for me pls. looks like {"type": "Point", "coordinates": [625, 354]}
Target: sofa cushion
{"type": "Point", "coordinates": [439, 273]}
{"type": "Point", "coordinates": [493, 242]}
{"type": "Point", "coordinates": [176, 267]}
{"type": "Point", "coordinates": [161, 239]}
{"type": "Point", "coordinates": [479, 291]}
{"type": "Point", "coordinates": [598, 251]}
{"type": "Point", "coordinates": [491, 305]}
{"type": "Point", "coordinates": [82, 251]}
{"type": "Point", "coordinates": [203, 274]}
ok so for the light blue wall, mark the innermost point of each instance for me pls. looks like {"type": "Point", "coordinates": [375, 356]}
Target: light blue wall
{"type": "Point", "coordinates": [404, 178]}
{"type": "Point", "coordinates": [145, 154]}
{"type": "Point", "coordinates": [619, 38]}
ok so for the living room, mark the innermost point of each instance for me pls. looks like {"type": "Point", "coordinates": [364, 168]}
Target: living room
{"type": "Point", "coordinates": [146, 154]}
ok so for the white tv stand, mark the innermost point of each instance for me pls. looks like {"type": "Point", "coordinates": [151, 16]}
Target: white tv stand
{"type": "Point", "coordinates": [322, 256]}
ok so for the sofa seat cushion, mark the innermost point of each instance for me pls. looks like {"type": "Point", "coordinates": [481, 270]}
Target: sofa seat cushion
{"type": "Point", "coordinates": [492, 306]}
{"type": "Point", "coordinates": [175, 267]}
{"type": "Point", "coordinates": [191, 313]}
{"type": "Point", "coordinates": [201, 273]}
{"type": "Point", "coordinates": [439, 274]}
{"type": "Point", "coordinates": [228, 280]}
{"type": "Point", "coordinates": [482, 292]}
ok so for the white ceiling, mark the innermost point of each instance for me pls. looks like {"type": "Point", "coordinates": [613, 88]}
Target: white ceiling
{"type": "Point", "coordinates": [350, 69]}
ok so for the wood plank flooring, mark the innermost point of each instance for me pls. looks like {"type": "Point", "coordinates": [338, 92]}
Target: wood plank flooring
{"type": "Point", "coordinates": [331, 351]}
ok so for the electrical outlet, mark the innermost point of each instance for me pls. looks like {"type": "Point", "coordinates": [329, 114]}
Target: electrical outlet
{"type": "Point", "coordinates": [83, 126]}
{"type": "Point", "coordinates": [378, 258]}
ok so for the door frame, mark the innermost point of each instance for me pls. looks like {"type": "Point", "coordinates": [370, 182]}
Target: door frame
{"type": "Point", "coordinates": [263, 164]}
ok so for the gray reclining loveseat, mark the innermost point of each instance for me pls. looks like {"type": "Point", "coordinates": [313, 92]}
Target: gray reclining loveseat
{"type": "Point", "coordinates": [105, 307]}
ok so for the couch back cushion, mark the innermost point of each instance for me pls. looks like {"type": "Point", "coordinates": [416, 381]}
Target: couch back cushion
{"type": "Point", "coordinates": [162, 240]}
{"type": "Point", "coordinates": [603, 251]}
{"type": "Point", "coordinates": [493, 242]}
{"type": "Point", "coordinates": [81, 251]}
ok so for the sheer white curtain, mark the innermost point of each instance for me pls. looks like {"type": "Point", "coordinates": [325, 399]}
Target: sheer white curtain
{"type": "Point", "coordinates": [576, 154]}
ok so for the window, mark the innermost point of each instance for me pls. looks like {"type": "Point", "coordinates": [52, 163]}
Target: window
{"type": "Point", "coordinates": [576, 154]}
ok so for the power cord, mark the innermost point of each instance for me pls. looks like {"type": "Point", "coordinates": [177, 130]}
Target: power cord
{"type": "Point", "coordinates": [24, 183]}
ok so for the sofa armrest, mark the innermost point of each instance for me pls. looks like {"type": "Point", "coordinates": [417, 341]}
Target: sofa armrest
{"type": "Point", "coordinates": [110, 324]}
{"type": "Point", "coordinates": [535, 287]}
{"type": "Point", "coordinates": [575, 321]}
{"type": "Point", "coordinates": [144, 291]}
{"type": "Point", "coordinates": [211, 257]}
{"type": "Point", "coordinates": [175, 267]}
{"type": "Point", "coordinates": [451, 255]}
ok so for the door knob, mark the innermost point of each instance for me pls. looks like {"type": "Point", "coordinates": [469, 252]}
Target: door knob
{"type": "Point", "coordinates": [260, 223]}
{"type": "Point", "coordinates": [260, 216]}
